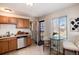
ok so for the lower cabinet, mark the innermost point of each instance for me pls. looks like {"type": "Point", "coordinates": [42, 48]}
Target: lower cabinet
{"type": "Point", "coordinates": [0, 48]}
{"type": "Point", "coordinates": [3, 46]}
{"type": "Point", "coordinates": [7, 45]}
{"type": "Point", "coordinates": [29, 41]}
{"type": "Point", "coordinates": [12, 44]}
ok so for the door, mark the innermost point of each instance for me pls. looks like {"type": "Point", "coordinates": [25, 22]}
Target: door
{"type": "Point", "coordinates": [20, 23]}
{"type": "Point", "coordinates": [4, 46]}
{"type": "Point", "coordinates": [26, 23]}
{"type": "Point", "coordinates": [12, 44]}
{"type": "Point", "coordinates": [12, 20]}
{"type": "Point", "coordinates": [59, 27]}
{"type": "Point", "coordinates": [55, 34]}
{"type": "Point", "coordinates": [28, 41]}
{"type": "Point", "coordinates": [41, 29]}
{"type": "Point", "coordinates": [0, 47]}
{"type": "Point", "coordinates": [56, 28]}
{"type": "Point", "coordinates": [62, 31]}
{"type": "Point", "coordinates": [3, 19]}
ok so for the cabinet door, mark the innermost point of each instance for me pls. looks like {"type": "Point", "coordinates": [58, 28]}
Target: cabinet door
{"type": "Point", "coordinates": [12, 44]}
{"type": "Point", "coordinates": [26, 23]}
{"type": "Point", "coordinates": [29, 41]}
{"type": "Point", "coordinates": [4, 46]}
{"type": "Point", "coordinates": [20, 23]}
{"type": "Point", "coordinates": [0, 48]}
{"type": "Point", "coordinates": [12, 20]}
{"type": "Point", "coordinates": [3, 19]}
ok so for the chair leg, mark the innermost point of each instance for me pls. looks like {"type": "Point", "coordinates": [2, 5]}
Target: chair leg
{"type": "Point", "coordinates": [43, 47]}
{"type": "Point", "coordinates": [75, 52]}
{"type": "Point", "coordinates": [78, 53]}
{"type": "Point", "coordinates": [63, 51]}
{"type": "Point", "coordinates": [50, 51]}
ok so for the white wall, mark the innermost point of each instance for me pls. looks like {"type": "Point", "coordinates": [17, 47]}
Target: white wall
{"type": "Point", "coordinates": [71, 13]}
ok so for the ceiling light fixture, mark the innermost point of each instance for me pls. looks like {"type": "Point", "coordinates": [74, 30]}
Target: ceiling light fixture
{"type": "Point", "coordinates": [6, 10]}
{"type": "Point", "coordinates": [29, 3]}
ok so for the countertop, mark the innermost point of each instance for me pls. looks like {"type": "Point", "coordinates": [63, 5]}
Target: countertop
{"type": "Point", "coordinates": [16, 36]}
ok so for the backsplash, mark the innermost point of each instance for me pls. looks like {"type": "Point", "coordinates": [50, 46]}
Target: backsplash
{"type": "Point", "coordinates": [10, 28]}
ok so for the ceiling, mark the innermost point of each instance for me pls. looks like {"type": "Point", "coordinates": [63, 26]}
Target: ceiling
{"type": "Point", "coordinates": [37, 10]}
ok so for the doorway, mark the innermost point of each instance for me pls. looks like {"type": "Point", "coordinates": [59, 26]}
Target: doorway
{"type": "Point", "coordinates": [41, 32]}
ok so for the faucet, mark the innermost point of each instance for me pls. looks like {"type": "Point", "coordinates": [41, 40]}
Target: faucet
{"type": "Point", "coordinates": [8, 33]}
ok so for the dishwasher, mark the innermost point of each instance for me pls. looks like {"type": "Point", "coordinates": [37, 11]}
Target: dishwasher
{"type": "Point", "coordinates": [21, 42]}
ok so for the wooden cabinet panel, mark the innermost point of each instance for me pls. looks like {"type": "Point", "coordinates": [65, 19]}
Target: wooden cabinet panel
{"type": "Point", "coordinates": [3, 19]}
{"type": "Point", "coordinates": [7, 20]}
{"type": "Point", "coordinates": [12, 44]}
{"type": "Point", "coordinates": [4, 46]}
{"type": "Point", "coordinates": [8, 45]}
{"type": "Point", "coordinates": [26, 23]}
{"type": "Point", "coordinates": [28, 41]}
{"type": "Point", "coordinates": [0, 48]}
{"type": "Point", "coordinates": [12, 20]}
{"type": "Point", "coordinates": [20, 23]}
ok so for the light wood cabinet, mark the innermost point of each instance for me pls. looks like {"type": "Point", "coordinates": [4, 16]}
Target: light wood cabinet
{"type": "Point", "coordinates": [26, 23]}
{"type": "Point", "coordinates": [12, 44]}
{"type": "Point", "coordinates": [28, 41]}
{"type": "Point", "coordinates": [4, 46]}
{"type": "Point", "coordinates": [7, 20]}
{"type": "Point", "coordinates": [19, 23]}
{"type": "Point", "coordinates": [7, 45]}
{"type": "Point", "coordinates": [12, 20]}
{"type": "Point", "coordinates": [3, 20]}
{"type": "Point", "coordinates": [22, 23]}
{"type": "Point", "coordinates": [0, 48]}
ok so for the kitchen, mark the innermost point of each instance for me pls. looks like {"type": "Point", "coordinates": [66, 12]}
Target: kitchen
{"type": "Point", "coordinates": [14, 33]}
{"type": "Point", "coordinates": [28, 29]}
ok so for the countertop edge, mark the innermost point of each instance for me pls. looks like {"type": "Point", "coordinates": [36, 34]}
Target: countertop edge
{"type": "Point", "coordinates": [15, 36]}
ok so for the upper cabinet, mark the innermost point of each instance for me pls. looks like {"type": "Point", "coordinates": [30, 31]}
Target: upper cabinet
{"type": "Point", "coordinates": [3, 19]}
{"type": "Point", "coordinates": [19, 23]}
{"type": "Point", "coordinates": [7, 20]}
{"type": "Point", "coordinates": [22, 23]}
{"type": "Point", "coordinates": [12, 20]}
{"type": "Point", "coordinates": [26, 23]}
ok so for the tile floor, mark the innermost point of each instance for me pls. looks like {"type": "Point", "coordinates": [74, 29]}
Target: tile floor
{"type": "Point", "coordinates": [31, 50]}
{"type": "Point", "coordinates": [34, 50]}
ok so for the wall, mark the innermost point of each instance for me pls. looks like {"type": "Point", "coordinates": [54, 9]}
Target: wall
{"type": "Point", "coordinates": [71, 13]}
{"type": "Point", "coordinates": [10, 28]}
